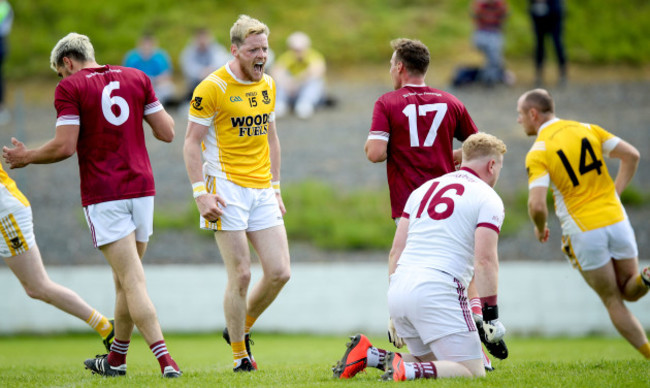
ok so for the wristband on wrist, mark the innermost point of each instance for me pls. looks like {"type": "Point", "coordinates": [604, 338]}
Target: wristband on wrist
{"type": "Point", "coordinates": [276, 186]}
{"type": "Point", "coordinates": [198, 189]}
{"type": "Point", "coordinates": [490, 309]}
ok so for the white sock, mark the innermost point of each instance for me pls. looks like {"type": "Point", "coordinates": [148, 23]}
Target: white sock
{"type": "Point", "coordinates": [372, 355]}
{"type": "Point", "coordinates": [409, 368]}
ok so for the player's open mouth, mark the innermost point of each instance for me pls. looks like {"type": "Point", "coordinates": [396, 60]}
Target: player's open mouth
{"type": "Point", "coordinates": [259, 67]}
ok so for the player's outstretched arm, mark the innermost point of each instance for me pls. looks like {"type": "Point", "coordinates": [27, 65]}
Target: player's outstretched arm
{"type": "Point", "coordinates": [61, 147]}
{"type": "Point", "coordinates": [162, 125]}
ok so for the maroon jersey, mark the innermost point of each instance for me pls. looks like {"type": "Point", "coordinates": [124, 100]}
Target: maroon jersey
{"type": "Point", "coordinates": [108, 103]}
{"type": "Point", "coordinates": [419, 123]}
{"type": "Point", "coordinates": [489, 15]}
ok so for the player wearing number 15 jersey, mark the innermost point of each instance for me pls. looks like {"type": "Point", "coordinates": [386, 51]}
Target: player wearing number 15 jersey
{"type": "Point", "coordinates": [597, 237]}
{"type": "Point", "coordinates": [413, 127]}
{"type": "Point", "coordinates": [232, 156]}
{"type": "Point", "coordinates": [99, 114]}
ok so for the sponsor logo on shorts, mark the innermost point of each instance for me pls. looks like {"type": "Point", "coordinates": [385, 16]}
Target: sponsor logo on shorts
{"type": "Point", "coordinates": [235, 99]}
{"type": "Point", "coordinates": [16, 243]}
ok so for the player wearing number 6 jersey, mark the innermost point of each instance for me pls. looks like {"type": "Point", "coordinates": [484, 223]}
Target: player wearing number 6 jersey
{"type": "Point", "coordinates": [597, 237]}
{"type": "Point", "coordinates": [100, 110]}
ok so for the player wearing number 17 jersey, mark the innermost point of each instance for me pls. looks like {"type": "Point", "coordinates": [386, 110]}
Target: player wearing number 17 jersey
{"type": "Point", "coordinates": [100, 110]}
{"type": "Point", "coordinates": [597, 237]}
{"type": "Point", "coordinates": [413, 127]}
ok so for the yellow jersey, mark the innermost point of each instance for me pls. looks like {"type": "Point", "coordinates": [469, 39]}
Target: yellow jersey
{"type": "Point", "coordinates": [568, 157]}
{"type": "Point", "coordinates": [295, 65]}
{"type": "Point", "coordinates": [11, 198]}
{"type": "Point", "coordinates": [237, 114]}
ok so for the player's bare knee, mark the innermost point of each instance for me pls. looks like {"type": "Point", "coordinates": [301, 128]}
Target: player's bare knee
{"type": "Point", "coordinates": [471, 368]}
{"type": "Point", "coordinates": [281, 277]}
{"type": "Point", "coordinates": [242, 279]}
{"type": "Point", "coordinates": [633, 297]}
{"type": "Point", "coordinates": [479, 373]}
{"type": "Point", "coordinates": [38, 292]}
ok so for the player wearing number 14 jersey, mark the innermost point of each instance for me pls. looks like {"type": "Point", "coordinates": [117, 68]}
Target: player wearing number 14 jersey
{"type": "Point", "coordinates": [413, 127]}
{"type": "Point", "coordinates": [597, 237]}
{"type": "Point", "coordinates": [100, 110]}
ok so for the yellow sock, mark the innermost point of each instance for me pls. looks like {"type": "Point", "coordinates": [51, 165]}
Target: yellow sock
{"type": "Point", "coordinates": [645, 350]}
{"type": "Point", "coordinates": [100, 323]}
{"type": "Point", "coordinates": [238, 351]}
{"type": "Point", "coordinates": [249, 323]}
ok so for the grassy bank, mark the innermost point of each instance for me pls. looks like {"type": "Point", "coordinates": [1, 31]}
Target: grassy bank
{"type": "Point", "coordinates": [354, 32]}
{"type": "Point", "coordinates": [360, 219]}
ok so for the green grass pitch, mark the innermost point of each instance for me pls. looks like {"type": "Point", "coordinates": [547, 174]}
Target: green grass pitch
{"type": "Point", "coordinates": [306, 360]}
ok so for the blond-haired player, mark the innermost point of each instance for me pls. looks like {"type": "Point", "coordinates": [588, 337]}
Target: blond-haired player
{"type": "Point", "coordinates": [447, 235]}
{"type": "Point", "coordinates": [100, 114]}
{"type": "Point", "coordinates": [232, 130]}
{"type": "Point", "coordinates": [597, 237]}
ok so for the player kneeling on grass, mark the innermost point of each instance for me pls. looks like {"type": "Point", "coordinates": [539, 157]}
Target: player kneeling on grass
{"type": "Point", "coordinates": [448, 234]}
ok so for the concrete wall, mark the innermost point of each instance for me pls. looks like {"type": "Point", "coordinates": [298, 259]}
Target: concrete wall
{"type": "Point", "coordinates": [337, 298]}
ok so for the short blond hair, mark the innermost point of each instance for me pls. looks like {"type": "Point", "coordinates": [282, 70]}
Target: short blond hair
{"type": "Point", "coordinates": [246, 26]}
{"type": "Point", "coordinates": [73, 45]}
{"type": "Point", "coordinates": [482, 144]}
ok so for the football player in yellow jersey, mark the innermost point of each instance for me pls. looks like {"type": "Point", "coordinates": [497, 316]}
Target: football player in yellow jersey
{"type": "Point", "coordinates": [20, 252]}
{"type": "Point", "coordinates": [597, 237]}
{"type": "Point", "coordinates": [232, 130]}
{"type": "Point", "coordinates": [300, 75]}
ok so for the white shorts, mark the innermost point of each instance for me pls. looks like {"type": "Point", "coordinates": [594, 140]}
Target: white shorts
{"type": "Point", "coordinates": [430, 311]}
{"type": "Point", "coordinates": [593, 249]}
{"type": "Point", "coordinates": [17, 232]}
{"type": "Point", "coordinates": [113, 220]}
{"type": "Point", "coordinates": [454, 347]}
{"type": "Point", "coordinates": [247, 209]}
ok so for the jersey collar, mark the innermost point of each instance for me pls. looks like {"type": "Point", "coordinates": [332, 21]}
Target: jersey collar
{"type": "Point", "coordinates": [546, 124]}
{"type": "Point", "coordinates": [469, 170]}
{"type": "Point", "coordinates": [235, 77]}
